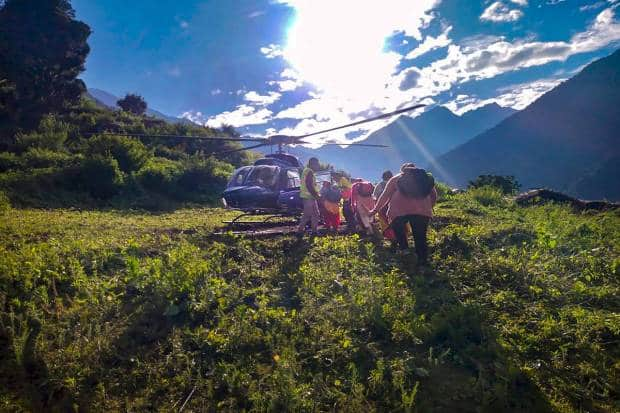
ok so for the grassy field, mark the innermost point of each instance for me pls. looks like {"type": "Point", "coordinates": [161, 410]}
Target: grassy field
{"type": "Point", "coordinates": [128, 311]}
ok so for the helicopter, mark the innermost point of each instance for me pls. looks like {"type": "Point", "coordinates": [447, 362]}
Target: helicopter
{"type": "Point", "coordinates": [271, 186]}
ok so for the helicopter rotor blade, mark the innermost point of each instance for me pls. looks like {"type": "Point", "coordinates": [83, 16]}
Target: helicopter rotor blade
{"type": "Point", "coordinates": [359, 122]}
{"type": "Point", "coordinates": [368, 145]}
{"type": "Point", "coordinates": [205, 138]}
{"type": "Point", "coordinates": [247, 148]}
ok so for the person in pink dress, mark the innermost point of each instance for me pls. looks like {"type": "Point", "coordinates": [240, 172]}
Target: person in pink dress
{"type": "Point", "coordinates": [362, 203]}
{"type": "Point", "coordinates": [405, 209]}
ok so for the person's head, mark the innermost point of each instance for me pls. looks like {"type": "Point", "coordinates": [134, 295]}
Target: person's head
{"type": "Point", "coordinates": [313, 163]}
{"type": "Point", "coordinates": [387, 175]}
{"type": "Point", "coordinates": [407, 165]}
{"type": "Point", "coordinates": [327, 184]}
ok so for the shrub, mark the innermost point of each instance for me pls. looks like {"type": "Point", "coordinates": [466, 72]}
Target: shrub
{"type": "Point", "coordinates": [130, 153]}
{"type": "Point", "coordinates": [487, 196]}
{"type": "Point", "coordinates": [204, 179]}
{"type": "Point", "coordinates": [44, 158]}
{"type": "Point", "coordinates": [443, 190]}
{"type": "Point", "coordinates": [160, 175]}
{"type": "Point", "coordinates": [9, 161]}
{"type": "Point", "coordinates": [100, 176]}
{"type": "Point", "coordinates": [51, 135]}
{"type": "Point", "coordinates": [507, 184]}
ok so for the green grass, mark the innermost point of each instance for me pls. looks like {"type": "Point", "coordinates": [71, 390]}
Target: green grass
{"type": "Point", "coordinates": [119, 311]}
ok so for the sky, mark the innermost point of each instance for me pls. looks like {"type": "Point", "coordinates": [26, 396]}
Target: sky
{"type": "Point", "coordinates": [298, 66]}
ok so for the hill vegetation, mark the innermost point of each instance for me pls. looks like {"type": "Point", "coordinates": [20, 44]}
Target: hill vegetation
{"type": "Point", "coordinates": [74, 159]}
{"type": "Point", "coordinates": [131, 311]}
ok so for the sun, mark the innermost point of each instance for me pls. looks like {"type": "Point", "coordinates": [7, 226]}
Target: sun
{"type": "Point", "coordinates": [339, 46]}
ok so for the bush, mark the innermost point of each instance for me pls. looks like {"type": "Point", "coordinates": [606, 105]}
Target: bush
{"type": "Point", "coordinates": [507, 184]}
{"type": "Point", "coordinates": [204, 179]}
{"type": "Point", "coordinates": [443, 190]}
{"type": "Point", "coordinates": [100, 176]}
{"type": "Point", "coordinates": [130, 153]}
{"type": "Point", "coordinates": [44, 158]}
{"type": "Point", "coordinates": [51, 135]}
{"type": "Point", "coordinates": [487, 196]}
{"type": "Point", "coordinates": [9, 161]}
{"type": "Point", "coordinates": [160, 175]}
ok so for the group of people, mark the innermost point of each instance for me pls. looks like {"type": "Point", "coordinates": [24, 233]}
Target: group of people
{"type": "Point", "coordinates": [393, 208]}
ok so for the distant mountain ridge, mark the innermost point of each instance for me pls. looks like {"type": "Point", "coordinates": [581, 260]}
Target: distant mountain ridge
{"type": "Point", "coordinates": [567, 140]}
{"type": "Point", "coordinates": [419, 140]}
{"type": "Point", "coordinates": [103, 98]}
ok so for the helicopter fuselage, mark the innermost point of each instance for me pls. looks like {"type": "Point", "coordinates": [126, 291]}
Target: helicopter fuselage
{"type": "Point", "coordinates": [271, 185]}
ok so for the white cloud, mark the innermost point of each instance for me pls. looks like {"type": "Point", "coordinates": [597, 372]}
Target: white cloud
{"type": "Point", "coordinates": [290, 81]}
{"type": "Point", "coordinates": [499, 12]}
{"type": "Point", "coordinates": [520, 2]}
{"type": "Point", "coordinates": [243, 115]}
{"type": "Point", "coordinates": [216, 92]}
{"type": "Point", "coordinates": [256, 14]}
{"type": "Point", "coordinates": [183, 24]}
{"type": "Point", "coordinates": [515, 96]}
{"type": "Point", "coordinates": [431, 43]}
{"type": "Point", "coordinates": [272, 51]}
{"type": "Point", "coordinates": [520, 96]}
{"type": "Point", "coordinates": [593, 6]}
{"type": "Point", "coordinates": [465, 63]}
{"type": "Point", "coordinates": [263, 100]}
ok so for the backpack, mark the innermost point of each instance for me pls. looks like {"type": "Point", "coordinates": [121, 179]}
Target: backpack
{"type": "Point", "coordinates": [365, 189]}
{"type": "Point", "coordinates": [333, 195]}
{"type": "Point", "coordinates": [415, 183]}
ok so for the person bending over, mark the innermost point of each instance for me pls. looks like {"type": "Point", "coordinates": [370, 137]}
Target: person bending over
{"type": "Point", "coordinates": [410, 197]}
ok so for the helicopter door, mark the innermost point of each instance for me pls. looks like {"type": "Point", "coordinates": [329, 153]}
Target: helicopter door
{"type": "Point", "coordinates": [239, 176]}
{"type": "Point", "coordinates": [293, 181]}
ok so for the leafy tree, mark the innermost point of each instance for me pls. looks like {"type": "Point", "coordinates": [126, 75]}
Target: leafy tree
{"type": "Point", "coordinates": [133, 103]}
{"type": "Point", "coordinates": [507, 184]}
{"type": "Point", "coordinates": [42, 51]}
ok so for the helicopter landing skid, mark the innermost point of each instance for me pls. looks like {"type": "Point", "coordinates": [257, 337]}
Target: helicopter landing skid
{"type": "Point", "coordinates": [238, 224]}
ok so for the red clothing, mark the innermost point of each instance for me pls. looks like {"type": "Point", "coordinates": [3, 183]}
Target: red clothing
{"type": "Point", "coordinates": [400, 205]}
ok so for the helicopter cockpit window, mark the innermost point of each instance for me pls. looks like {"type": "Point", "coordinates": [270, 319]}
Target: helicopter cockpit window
{"type": "Point", "coordinates": [263, 175]}
{"type": "Point", "coordinates": [293, 180]}
{"type": "Point", "coordinates": [239, 177]}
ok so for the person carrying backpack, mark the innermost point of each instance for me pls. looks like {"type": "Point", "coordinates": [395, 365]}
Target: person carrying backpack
{"type": "Point", "coordinates": [410, 197]}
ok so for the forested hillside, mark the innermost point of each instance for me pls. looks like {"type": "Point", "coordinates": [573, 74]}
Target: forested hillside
{"type": "Point", "coordinates": [69, 161]}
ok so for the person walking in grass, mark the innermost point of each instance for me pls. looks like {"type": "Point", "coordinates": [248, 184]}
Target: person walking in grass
{"type": "Point", "coordinates": [410, 197]}
{"type": "Point", "coordinates": [387, 175]}
{"type": "Point", "coordinates": [310, 196]}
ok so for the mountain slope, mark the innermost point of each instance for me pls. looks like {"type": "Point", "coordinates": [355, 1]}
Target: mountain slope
{"type": "Point", "coordinates": [559, 139]}
{"type": "Point", "coordinates": [418, 140]}
{"type": "Point", "coordinates": [103, 98]}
